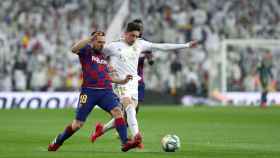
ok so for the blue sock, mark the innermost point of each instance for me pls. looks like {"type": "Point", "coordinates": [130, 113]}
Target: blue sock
{"type": "Point", "coordinates": [68, 132]}
{"type": "Point", "coordinates": [264, 97]}
{"type": "Point", "coordinates": [121, 129]}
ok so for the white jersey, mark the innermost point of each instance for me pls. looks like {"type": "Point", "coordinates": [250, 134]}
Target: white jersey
{"type": "Point", "coordinates": [124, 58]}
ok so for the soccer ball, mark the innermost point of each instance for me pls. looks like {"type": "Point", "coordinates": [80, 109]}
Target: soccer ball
{"type": "Point", "coordinates": [170, 143]}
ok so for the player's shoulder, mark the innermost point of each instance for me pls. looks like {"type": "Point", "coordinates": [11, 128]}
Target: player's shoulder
{"type": "Point", "coordinates": [116, 43]}
{"type": "Point", "coordinates": [141, 39]}
{"type": "Point", "coordinates": [113, 47]}
{"type": "Point", "coordinates": [142, 42]}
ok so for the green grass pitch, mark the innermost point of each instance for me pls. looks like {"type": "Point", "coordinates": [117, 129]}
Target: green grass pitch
{"type": "Point", "coordinates": [205, 132]}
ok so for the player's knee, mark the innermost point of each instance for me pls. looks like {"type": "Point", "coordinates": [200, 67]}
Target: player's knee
{"type": "Point", "coordinates": [126, 101]}
{"type": "Point", "coordinates": [116, 112]}
{"type": "Point", "coordinates": [77, 124]}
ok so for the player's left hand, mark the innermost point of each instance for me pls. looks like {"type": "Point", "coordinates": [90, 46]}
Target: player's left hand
{"type": "Point", "coordinates": [192, 44]}
{"type": "Point", "coordinates": [151, 62]}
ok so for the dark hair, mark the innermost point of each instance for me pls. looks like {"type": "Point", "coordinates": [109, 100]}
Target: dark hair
{"type": "Point", "coordinates": [97, 33]}
{"type": "Point", "coordinates": [138, 21]}
{"type": "Point", "coordinates": [94, 34]}
{"type": "Point", "coordinates": [132, 26]}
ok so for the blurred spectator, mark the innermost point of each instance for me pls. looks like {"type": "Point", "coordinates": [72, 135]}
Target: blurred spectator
{"type": "Point", "coordinates": [192, 82]}
{"type": "Point", "coordinates": [175, 74]}
{"type": "Point", "coordinates": [35, 37]}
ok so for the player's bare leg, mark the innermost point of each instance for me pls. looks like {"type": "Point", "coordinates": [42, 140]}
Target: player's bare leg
{"type": "Point", "coordinates": [67, 133]}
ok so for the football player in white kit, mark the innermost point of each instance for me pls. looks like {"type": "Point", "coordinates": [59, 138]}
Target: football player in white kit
{"type": "Point", "coordinates": [123, 56]}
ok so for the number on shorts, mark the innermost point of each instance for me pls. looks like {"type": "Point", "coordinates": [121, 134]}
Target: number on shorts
{"type": "Point", "coordinates": [83, 98]}
{"type": "Point", "coordinates": [121, 90]}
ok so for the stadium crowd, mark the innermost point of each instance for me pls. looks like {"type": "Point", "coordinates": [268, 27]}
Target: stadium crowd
{"type": "Point", "coordinates": [36, 36]}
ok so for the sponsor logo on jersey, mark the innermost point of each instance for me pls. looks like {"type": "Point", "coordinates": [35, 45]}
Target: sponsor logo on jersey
{"type": "Point", "coordinates": [99, 61]}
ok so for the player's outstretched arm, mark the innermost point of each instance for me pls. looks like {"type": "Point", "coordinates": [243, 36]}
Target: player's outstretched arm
{"type": "Point", "coordinates": [80, 44]}
{"type": "Point", "coordinates": [170, 46]}
{"type": "Point", "coordinates": [192, 44]}
{"type": "Point", "coordinates": [120, 81]}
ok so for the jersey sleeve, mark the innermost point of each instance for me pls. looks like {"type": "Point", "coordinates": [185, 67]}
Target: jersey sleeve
{"type": "Point", "coordinates": [146, 45]}
{"type": "Point", "coordinates": [108, 50]}
{"type": "Point", "coordinates": [162, 46]}
{"type": "Point", "coordinates": [169, 46]}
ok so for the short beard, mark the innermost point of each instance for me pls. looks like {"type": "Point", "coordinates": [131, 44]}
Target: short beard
{"type": "Point", "coordinates": [97, 50]}
{"type": "Point", "coordinates": [131, 43]}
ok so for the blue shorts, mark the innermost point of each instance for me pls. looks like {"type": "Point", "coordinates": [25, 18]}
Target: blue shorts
{"type": "Point", "coordinates": [141, 92]}
{"type": "Point", "coordinates": [104, 98]}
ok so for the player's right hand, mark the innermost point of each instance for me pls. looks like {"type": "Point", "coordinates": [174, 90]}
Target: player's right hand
{"type": "Point", "coordinates": [128, 78]}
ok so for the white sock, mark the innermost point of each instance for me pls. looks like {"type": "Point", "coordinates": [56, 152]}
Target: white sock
{"type": "Point", "coordinates": [131, 120]}
{"type": "Point", "coordinates": [109, 125]}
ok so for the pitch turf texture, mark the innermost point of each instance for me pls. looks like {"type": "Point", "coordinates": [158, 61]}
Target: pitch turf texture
{"type": "Point", "coordinates": [205, 132]}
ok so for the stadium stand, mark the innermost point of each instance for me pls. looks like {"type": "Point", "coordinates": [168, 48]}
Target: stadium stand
{"type": "Point", "coordinates": [35, 38]}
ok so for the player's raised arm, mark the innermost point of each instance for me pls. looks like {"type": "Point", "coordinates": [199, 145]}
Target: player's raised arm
{"type": "Point", "coordinates": [169, 46]}
{"type": "Point", "coordinates": [80, 44]}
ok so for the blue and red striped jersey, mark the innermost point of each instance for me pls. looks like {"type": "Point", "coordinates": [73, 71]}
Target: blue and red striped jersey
{"type": "Point", "coordinates": [140, 68]}
{"type": "Point", "coordinates": [141, 62]}
{"type": "Point", "coordinates": [95, 69]}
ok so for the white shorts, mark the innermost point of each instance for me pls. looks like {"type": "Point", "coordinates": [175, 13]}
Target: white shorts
{"type": "Point", "coordinates": [127, 90]}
